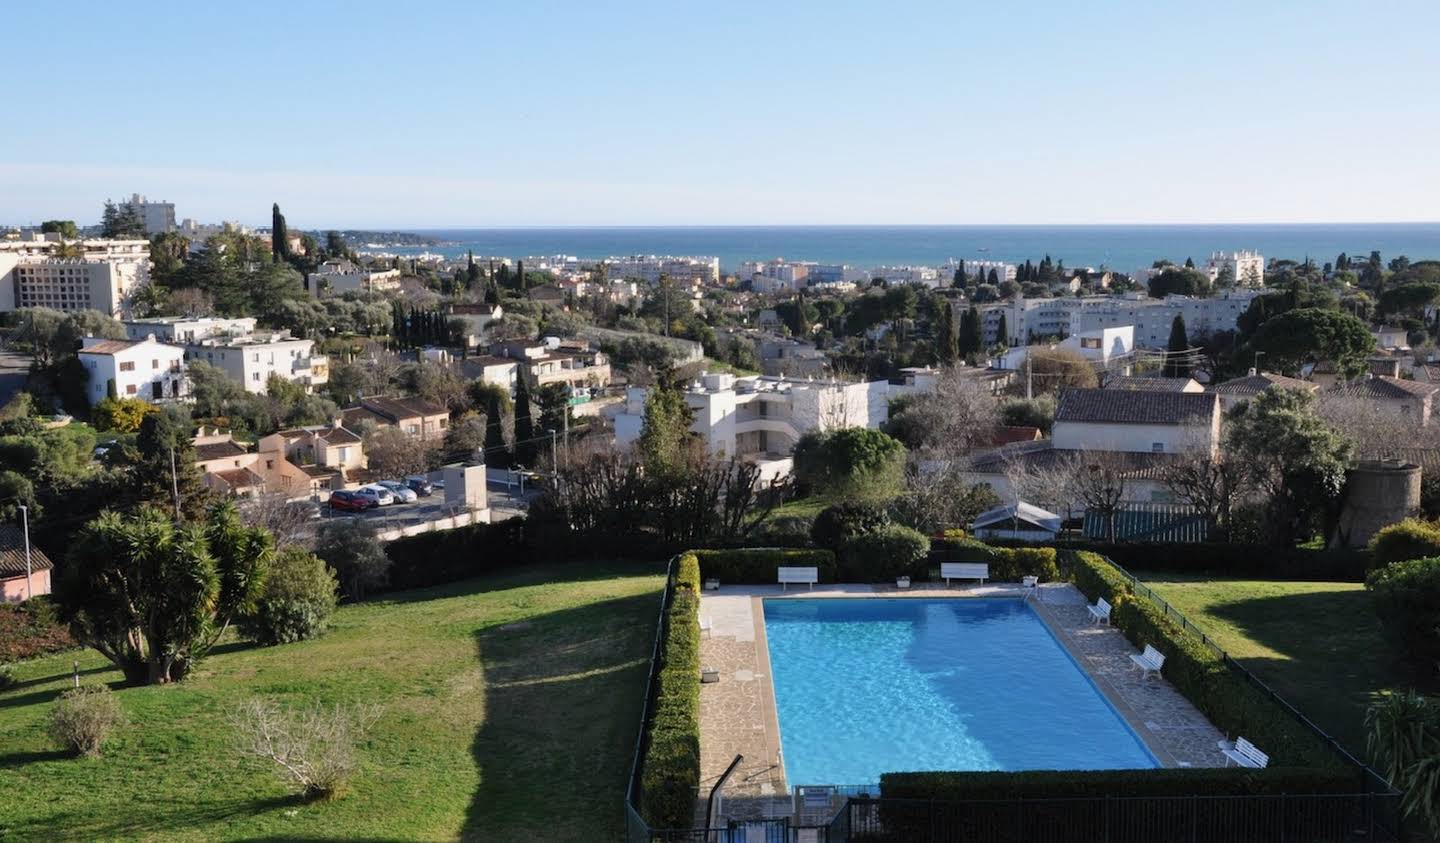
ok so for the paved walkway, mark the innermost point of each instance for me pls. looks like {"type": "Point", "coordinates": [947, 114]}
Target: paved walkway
{"type": "Point", "coordinates": [737, 713]}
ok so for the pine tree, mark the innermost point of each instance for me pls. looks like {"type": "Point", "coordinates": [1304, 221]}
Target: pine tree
{"type": "Point", "coordinates": [526, 448]}
{"type": "Point", "coordinates": [1176, 365]}
{"type": "Point", "coordinates": [279, 234]}
{"type": "Point", "coordinates": [109, 221]}
{"type": "Point", "coordinates": [1189, 263]}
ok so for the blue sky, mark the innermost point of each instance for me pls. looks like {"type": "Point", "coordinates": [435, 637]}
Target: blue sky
{"type": "Point", "coordinates": [539, 113]}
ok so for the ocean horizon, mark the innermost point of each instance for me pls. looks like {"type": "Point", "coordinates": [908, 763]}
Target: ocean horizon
{"type": "Point", "coordinates": [1119, 247]}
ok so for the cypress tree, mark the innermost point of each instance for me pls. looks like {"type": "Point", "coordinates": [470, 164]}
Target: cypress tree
{"type": "Point", "coordinates": [520, 276]}
{"type": "Point", "coordinates": [495, 450]}
{"type": "Point", "coordinates": [526, 448]}
{"type": "Point", "coordinates": [994, 278]}
{"type": "Point", "coordinates": [1175, 365]}
{"type": "Point", "coordinates": [971, 338]}
{"type": "Point", "coordinates": [1189, 263]}
{"type": "Point", "coordinates": [279, 234]}
{"type": "Point", "coordinates": [1002, 336]}
{"type": "Point", "coordinates": [960, 277]}
{"type": "Point", "coordinates": [945, 337]}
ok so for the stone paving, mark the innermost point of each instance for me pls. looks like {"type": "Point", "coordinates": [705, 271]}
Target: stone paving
{"type": "Point", "coordinates": [737, 713]}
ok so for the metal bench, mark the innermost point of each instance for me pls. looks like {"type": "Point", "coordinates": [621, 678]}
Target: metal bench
{"type": "Point", "coordinates": [1100, 612]}
{"type": "Point", "coordinates": [808, 576]}
{"type": "Point", "coordinates": [964, 571]}
{"type": "Point", "coordinates": [1244, 754]}
{"type": "Point", "coordinates": [1149, 661]}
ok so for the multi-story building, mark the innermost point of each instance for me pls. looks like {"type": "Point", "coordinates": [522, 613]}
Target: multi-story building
{"type": "Point", "coordinates": [417, 417]}
{"type": "Point", "coordinates": [926, 276]}
{"type": "Point", "coordinates": [145, 369]}
{"type": "Point", "coordinates": [1246, 267]}
{"type": "Point", "coordinates": [760, 419]}
{"type": "Point", "coordinates": [571, 362]}
{"type": "Point", "coordinates": [251, 358]}
{"type": "Point", "coordinates": [73, 275]}
{"type": "Point", "coordinates": [1030, 319]}
{"type": "Point", "coordinates": [158, 217]}
{"type": "Point", "coordinates": [340, 276]}
{"type": "Point", "coordinates": [477, 319]}
{"type": "Point", "coordinates": [649, 268]}
{"type": "Point", "coordinates": [979, 270]}
{"type": "Point", "coordinates": [186, 329]}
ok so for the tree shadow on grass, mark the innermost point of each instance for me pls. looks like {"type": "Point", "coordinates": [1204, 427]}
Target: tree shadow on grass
{"type": "Point", "coordinates": [141, 818]}
{"type": "Point", "coordinates": [563, 697]}
{"type": "Point", "coordinates": [1333, 660]}
{"type": "Point", "coordinates": [30, 683]}
{"type": "Point", "coordinates": [15, 760]}
{"type": "Point", "coordinates": [39, 697]}
{"type": "Point", "coordinates": [520, 577]}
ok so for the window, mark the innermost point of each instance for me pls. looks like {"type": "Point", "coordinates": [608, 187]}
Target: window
{"type": "Point", "coordinates": [1157, 447]}
{"type": "Point", "coordinates": [130, 389]}
{"type": "Point", "coordinates": [344, 454]}
{"type": "Point", "coordinates": [127, 367]}
{"type": "Point", "coordinates": [155, 363]}
{"type": "Point", "coordinates": [269, 464]}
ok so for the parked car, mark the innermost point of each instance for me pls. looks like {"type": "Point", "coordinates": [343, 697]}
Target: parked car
{"type": "Point", "coordinates": [377, 493]}
{"type": "Point", "coordinates": [350, 502]}
{"type": "Point", "coordinates": [420, 486]}
{"type": "Point", "coordinates": [402, 493]}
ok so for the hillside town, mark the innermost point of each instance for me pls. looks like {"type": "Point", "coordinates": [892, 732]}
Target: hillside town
{"type": "Point", "coordinates": [367, 420]}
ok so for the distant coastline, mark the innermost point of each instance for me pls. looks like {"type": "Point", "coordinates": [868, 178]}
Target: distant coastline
{"type": "Point", "coordinates": [1120, 247]}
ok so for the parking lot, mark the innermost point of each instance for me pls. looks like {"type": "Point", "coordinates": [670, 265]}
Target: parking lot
{"type": "Point", "coordinates": [505, 500]}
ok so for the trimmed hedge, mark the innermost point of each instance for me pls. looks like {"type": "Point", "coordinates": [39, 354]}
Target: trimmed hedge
{"type": "Point", "coordinates": [756, 565]}
{"type": "Point", "coordinates": [1229, 560]}
{"type": "Point", "coordinates": [1403, 541]}
{"type": "Point", "coordinates": [1229, 700]}
{"type": "Point", "coordinates": [445, 556]}
{"type": "Point", "coordinates": [1407, 600]}
{"type": "Point", "coordinates": [1173, 781]}
{"type": "Point", "coordinates": [889, 552]}
{"type": "Point", "coordinates": [670, 767]}
{"type": "Point", "coordinates": [1007, 564]}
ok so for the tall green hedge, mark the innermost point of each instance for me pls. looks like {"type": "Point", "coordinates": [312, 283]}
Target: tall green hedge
{"type": "Point", "coordinates": [757, 565]}
{"type": "Point", "coordinates": [1007, 564]}
{"type": "Point", "coordinates": [1231, 702]}
{"type": "Point", "coordinates": [670, 766]}
{"type": "Point", "coordinates": [1173, 781]}
{"type": "Point", "coordinates": [1229, 560]}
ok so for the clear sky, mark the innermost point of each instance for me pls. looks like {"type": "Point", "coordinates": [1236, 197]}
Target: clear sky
{"type": "Point", "coordinates": [449, 114]}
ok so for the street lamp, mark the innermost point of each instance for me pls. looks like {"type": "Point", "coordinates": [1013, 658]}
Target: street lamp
{"type": "Point", "coordinates": [1257, 361]}
{"type": "Point", "coordinates": [25, 519]}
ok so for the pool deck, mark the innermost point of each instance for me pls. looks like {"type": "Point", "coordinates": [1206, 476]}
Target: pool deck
{"type": "Point", "coordinates": [738, 715]}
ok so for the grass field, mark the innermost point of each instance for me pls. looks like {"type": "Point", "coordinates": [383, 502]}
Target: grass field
{"type": "Point", "coordinates": [510, 710]}
{"type": "Point", "coordinates": [1317, 643]}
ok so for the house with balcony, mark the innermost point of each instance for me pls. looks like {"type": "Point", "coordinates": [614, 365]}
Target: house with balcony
{"type": "Point", "coordinates": [330, 455]}
{"type": "Point", "coordinates": [575, 363]}
{"type": "Point", "coordinates": [251, 359]}
{"type": "Point", "coordinates": [760, 418]}
{"type": "Point", "coordinates": [231, 469]}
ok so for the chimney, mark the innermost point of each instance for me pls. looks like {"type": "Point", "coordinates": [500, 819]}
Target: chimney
{"type": "Point", "coordinates": [1253, 371]}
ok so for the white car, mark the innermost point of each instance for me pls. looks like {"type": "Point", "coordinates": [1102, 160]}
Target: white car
{"type": "Point", "coordinates": [377, 493]}
{"type": "Point", "coordinates": [402, 493]}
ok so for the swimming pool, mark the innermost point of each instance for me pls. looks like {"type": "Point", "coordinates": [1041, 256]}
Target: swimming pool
{"type": "Point", "coordinates": [868, 686]}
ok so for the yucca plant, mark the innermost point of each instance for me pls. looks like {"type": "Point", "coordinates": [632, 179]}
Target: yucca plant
{"type": "Point", "coordinates": [1404, 738]}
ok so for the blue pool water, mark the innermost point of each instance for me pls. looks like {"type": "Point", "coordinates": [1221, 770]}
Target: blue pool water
{"type": "Point", "coordinates": [868, 686]}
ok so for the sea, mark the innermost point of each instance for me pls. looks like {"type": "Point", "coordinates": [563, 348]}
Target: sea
{"type": "Point", "coordinates": [1118, 247]}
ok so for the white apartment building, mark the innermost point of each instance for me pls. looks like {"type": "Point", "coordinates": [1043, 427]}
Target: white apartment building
{"type": "Point", "coordinates": [649, 268]}
{"type": "Point", "coordinates": [158, 217]}
{"type": "Point", "coordinates": [1030, 319]}
{"type": "Point", "coordinates": [339, 276]}
{"type": "Point", "coordinates": [146, 369]}
{"type": "Point", "coordinates": [184, 329]}
{"type": "Point", "coordinates": [761, 418]}
{"type": "Point", "coordinates": [979, 269]}
{"type": "Point", "coordinates": [73, 275]}
{"type": "Point", "coordinates": [924, 275]}
{"type": "Point", "coordinates": [1246, 267]}
{"type": "Point", "coordinates": [251, 359]}
{"type": "Point", "coordinates": [1100, 347]}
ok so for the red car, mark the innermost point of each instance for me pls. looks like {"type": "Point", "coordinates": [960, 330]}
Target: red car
{"type": "Point", "coordinates": [350, 502]}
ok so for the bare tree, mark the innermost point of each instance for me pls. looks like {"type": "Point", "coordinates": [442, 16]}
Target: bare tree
{"type": "Point", "coordinates": [287, 520]}
{"type": "Point", "coordinates": [313, 747]}
{"type": "Point", "coordinates": [1213, 485]}
{"type": "Point", "coordinates": [391, 452]}
{"type": "Point", "coordinates": [948, 422]}
{"type": "Point", "coordinates": [1100, 485]}
{"type": "Point", "coordinates": [1053, 485]}
{"type": "Point", "coordinates": [1371, 426]}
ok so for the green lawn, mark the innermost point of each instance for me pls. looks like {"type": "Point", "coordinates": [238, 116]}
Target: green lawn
{"type": "Point", "coordinates": [1317, 643]}
{"type": "Point", "coordinates": [510, 711]}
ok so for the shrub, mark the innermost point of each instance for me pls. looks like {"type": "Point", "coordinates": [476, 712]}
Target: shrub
{"type": "Point", "coordinates": [1409, 539]}
{"type": "Point", "coordinates": [1407, 599]}
{"type": "Point", "coordinates": [31, 629]}
{"type": "Point", "coordinates": [785, 531]}
{"type": "Point", "coordinates": [835, 524]}
{"type": "Point", "coordinates": [850, 462]}
{"type": "Point", "coordinates": [670, 765]}
{"type": "Point", "coordinates": [884, 554]}
{"type": "Point", "coordinates": [445, 556]}
{"type": "Point", "coordinates": [1007, 564]}
{"type": "Point", "coordinates": [313, 748]}
{"type": "Point", "coordinates": [298, 598]}
{"type": "Point", "coordinates": [1058, 784]}
{"type": "Point", "coordinates": [83, 719]}
{"type": "Point", "coordinates": [1228, 699]}
{"type": "Point", "coordinates": [7, 679]}
{"type": "Point", "coordinates": [1252, 561]}
{"type": "Point", "coordinates": [352, 549]}
{"type": "Point", "coordinates": [757, 565]}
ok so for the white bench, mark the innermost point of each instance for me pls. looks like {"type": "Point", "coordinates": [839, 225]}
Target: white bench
{"type": "Point", "coordinates": [809, 576]}
{"type": "Point", "coordinates": [964, 571]}
{"type": "Point", "coordinates": [1100, 612]}
{"type": "Point", "coordinates": [1244, 754]}
{"type": "Point", "coordinates": [1149, 661]}
{"type": "Point", "coordinates": [706, 625]}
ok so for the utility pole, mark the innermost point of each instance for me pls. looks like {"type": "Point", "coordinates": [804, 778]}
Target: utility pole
{"type": "Point", "coordinates": [25, 518]}
{"type": "Point", "coordinates": [554, 461]}
{"type": "Point", "coordinates": [1029, 377]}
{"type": "Point", "coordinates": [174, 483]}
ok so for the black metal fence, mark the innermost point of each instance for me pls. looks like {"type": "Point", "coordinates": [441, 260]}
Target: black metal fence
{"type": "Point", "coordinates": [1327, 818]}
